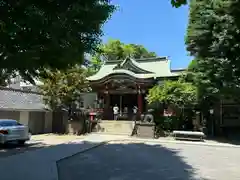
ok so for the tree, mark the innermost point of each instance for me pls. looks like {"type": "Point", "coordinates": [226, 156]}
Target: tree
{"type": "Point", "coordinates": [5, 77]}
{"type": "Point", "coordinates": [63, 88]}
{"type": "Point", "coordinates": [213, 38]}
{"type": "Point", "coordinates": [117, 50]}
{"type": "Point", "coordinates": [175, 93]}
{"type": "Point", "coordinates": [191, 74]}
{"type": "Point", "coordinates": [178, 3]}
{"type": "Point", "coordinates": [94, 65]}
{"type": "Point", "coordinates": [180, 96]}
{"type": "Point", "coordinates": [53, 34]}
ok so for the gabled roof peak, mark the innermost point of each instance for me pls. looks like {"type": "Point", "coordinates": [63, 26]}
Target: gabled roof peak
{"type": "Point", "coordinates": [132, 65]}
{"type": "Point", "coordinates": [126, 59]}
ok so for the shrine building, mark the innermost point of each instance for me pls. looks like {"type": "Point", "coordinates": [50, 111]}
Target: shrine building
{"type": "Point", "coordinates": [125, 83]}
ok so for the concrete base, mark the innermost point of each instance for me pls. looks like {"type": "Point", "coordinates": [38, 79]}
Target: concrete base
{"type": "Point", "coordinates": [75, 127]}
{"type": "Point", "coordinates": [145, 130]}
{"type": "Point", "coordinates": [116, 127]}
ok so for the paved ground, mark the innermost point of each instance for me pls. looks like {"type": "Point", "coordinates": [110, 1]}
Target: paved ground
{"type": "Point", "coordinates": [41, 163]}
{"type": "Point", "coordinates": [119, 159]}
{"type": "Point", "coordinates": [47, 140]}
{"type": "Point", "coordinates": [36, 142]}
{"type": "Point", "coordinates": [133, 160]}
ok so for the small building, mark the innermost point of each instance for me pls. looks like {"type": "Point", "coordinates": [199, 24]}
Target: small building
{"type": "Point", "coordinates": [19, 83]}
{"type": "Point", "coordinates": [125, 83]}
{"type": "Point", "coordinates": [27, 107]}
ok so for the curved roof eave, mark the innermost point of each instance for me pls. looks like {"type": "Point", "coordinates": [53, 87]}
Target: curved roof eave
{"type": "Point", "coordinates": [123, 71]}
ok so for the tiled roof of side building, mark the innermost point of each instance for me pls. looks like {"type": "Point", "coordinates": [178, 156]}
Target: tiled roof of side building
{"type": "Point", "coordinates": [15, 99]}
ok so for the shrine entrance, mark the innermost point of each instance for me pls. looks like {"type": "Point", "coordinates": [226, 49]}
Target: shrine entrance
{"type": "Point", "coordinates": [125, 92]}
{"type": "Point", "coordinates": [124, 101]}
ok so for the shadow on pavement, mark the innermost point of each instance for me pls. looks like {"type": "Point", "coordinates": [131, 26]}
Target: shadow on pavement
{"type": "Point", "coordinates": [229, 140]}
{"type": "Point", "coordinates": [14, 148]}
{"type": "Point", "coordinates": [230, 135]}
{"type": "Point", "coordinates": [124, 160]}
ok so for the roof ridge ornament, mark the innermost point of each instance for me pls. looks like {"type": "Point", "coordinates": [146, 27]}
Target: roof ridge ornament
{"type": "Point", "coordinates": [131, 65]}
{"type": "Point", "coordinates": [125, 60]}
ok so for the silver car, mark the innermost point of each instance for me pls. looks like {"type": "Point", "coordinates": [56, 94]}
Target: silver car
{"type": "Point", "coordinates": [11, 130]}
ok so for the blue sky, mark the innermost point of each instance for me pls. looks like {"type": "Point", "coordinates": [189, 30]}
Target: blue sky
{"type": "Point", "coordinates": [156, 25]}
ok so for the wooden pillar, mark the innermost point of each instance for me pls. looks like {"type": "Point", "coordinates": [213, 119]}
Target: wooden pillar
{"type": "Point", "coordinates": [106, 103]}
{"type": "Point", "coordinates": [140, 103]}
{"type": "Point", "coordinates": [107, 98]}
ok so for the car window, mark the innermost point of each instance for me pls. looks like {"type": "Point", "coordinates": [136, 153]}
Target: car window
{"type": "Point", "coordinates": [9, 123]}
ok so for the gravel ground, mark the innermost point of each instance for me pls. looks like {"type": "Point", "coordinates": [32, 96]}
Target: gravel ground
{"type": "Point", "coordinates": [36, 142]}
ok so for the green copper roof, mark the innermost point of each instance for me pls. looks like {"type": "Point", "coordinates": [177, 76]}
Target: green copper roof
{"type": "Point", "coordinates": [137, 68]}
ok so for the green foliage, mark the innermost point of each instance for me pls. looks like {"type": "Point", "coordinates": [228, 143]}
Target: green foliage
{"type": "Point", "coordinates": [193, 65]}
{"type": "Point", "coordinates": [5, 77]}
{"type": "Point", "coordinates": [191, 73]}
{"type": "Point", "coordinates": [62, 88]}
{"type": "Point", "coordinates": [176, 93]}
{"type": "Point", "coordinates": [213, 38]}
{"type": "Point", "coordinates": [117, 50]}
{"type": "Point", "coordinates": [54, 34]}
{"type": "Point", "coordinates": [178, 3]}
{"type": "Point", "coordinates": [95, 64]}
{"type": "Point", "coordinates": [179, 95]}
{"type": "Point", "coordinates": [167, 123]}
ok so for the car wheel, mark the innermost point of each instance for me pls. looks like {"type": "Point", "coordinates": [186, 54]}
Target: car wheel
{"type": "Point", "coordinates": [21, 142]}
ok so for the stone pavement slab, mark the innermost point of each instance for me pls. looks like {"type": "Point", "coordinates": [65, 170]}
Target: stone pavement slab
{"type": "Point", "coordinates": [41, 164]}
{"type": "Point", "coordinates": [172, 140]}
{"type": "Point", "coordinates": [36, 142]}
{"type": "Point", "coordinates": [54, 139]}
{"type": "Point", "coordinates": [135, 160]}
{"type": "Point", "coordinates": [169, 140]}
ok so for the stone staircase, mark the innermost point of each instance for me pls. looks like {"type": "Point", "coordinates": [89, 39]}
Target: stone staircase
{"type": "Point", "coordinates": [116, 127]}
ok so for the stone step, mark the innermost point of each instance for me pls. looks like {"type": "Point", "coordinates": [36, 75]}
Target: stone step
{"type": "Point", "coordinates": [116, 127]}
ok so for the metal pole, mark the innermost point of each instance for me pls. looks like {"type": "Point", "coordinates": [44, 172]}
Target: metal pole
{"type": "Point", "coordinates": [212, 124]}
{"type": "Point", "coordinates": [221, 119]}
{"type": "Point", "coordinates": [120, 105]}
